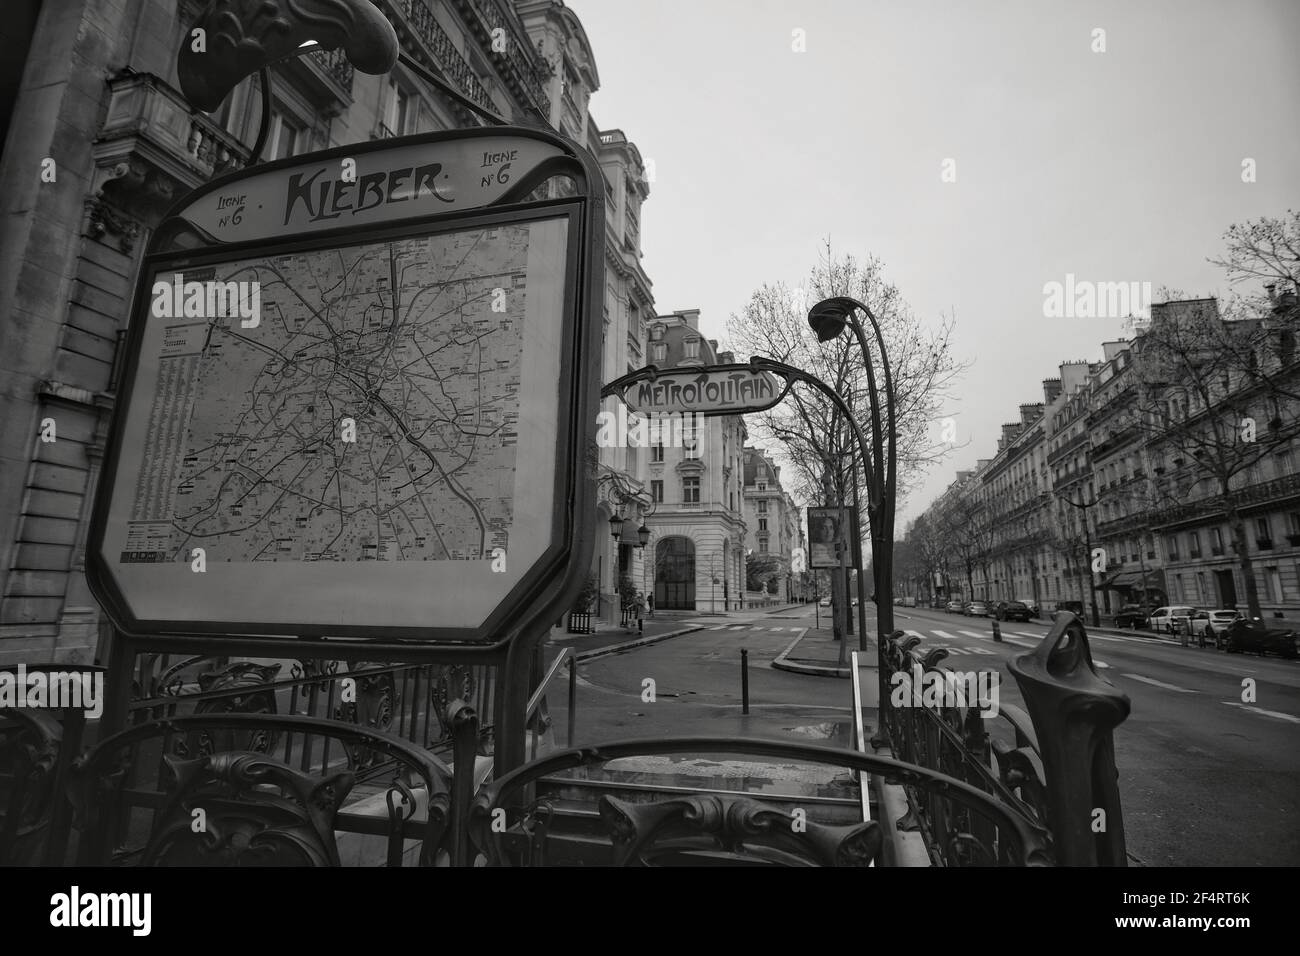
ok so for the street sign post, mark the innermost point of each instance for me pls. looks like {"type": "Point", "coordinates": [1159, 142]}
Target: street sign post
{"type": "Point", "coordinates": [356, 393]}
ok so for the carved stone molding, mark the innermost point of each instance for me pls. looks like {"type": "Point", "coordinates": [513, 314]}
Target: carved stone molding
{"type": "Point", "coordinates": [104, 219]}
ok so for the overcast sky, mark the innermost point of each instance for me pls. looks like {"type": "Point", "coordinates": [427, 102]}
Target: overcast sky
{"type": "Point", "coordinates": [1122, 165]}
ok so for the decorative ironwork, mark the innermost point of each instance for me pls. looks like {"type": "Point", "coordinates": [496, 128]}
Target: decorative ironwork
{"type": "Point", "coordinates": [1069, 704]}
{"type": "Point", "coordinates": [743, 830]}
{"type": "Point", "coordinates": [1004, 834]}
{"type": "Point", "coordinates": [446, 56]}
{"type": "Point", "coordinates": [243, 36]}
{"type": "Point", "coordinates": [255, 811]}
{"type": "Point", "coordinates": [29, 749]}
{"type": "Point", "coordinates": [1075, 711]}
{"type": "Point", "coordinates": [245, 684]}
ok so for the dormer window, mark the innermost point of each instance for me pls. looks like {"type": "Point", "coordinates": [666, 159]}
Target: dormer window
{"type": "Point", "coordinates": [658, 352]}
{"type": "Point", "coordinates": [692, 348]}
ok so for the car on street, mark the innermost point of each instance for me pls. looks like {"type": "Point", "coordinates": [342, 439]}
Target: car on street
{"type": "Point", "coordinates": [977, 609]}
{"type": "Point", "coordinates": [955, 607]}
{"type": "Point", "coordinates": [909, 602]}
{"type": "Point", "coordinates": [1216, 624]}
{"type": "Point", "coordinates": [1133, 616]}
{"type": "Point", "coordinates": [1011, 611]}
{"type": "Point", "coordinates": [1162, 618]}
{"type": "Point", "coordinates": [1031, 604]}
{"type": "Point", "coordinates": [825, 602]}
{"type": "Point", "coordinates": [1253, 634]}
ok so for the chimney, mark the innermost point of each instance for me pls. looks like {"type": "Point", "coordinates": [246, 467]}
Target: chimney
{"type": "Point", "coordinates": [1051, 389]}
{"type": "Point", "coordinates": [692, 318]}
{"type": "Point", "coordinates": [724, 358]}
{"type": "Point", "coordinates": [1030, 413]}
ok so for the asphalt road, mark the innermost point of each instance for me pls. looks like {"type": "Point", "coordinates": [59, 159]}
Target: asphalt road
{"type": "Point", "coordinates": [1206, 778]}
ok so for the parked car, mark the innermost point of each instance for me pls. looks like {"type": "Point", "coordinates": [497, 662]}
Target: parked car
{"type": "Point", "coordinates": [1074, 607]}
{"type": "Point", "coordinates": [977, 609]}
{"type": "Point", "coordinates": [1216, 624]}
{"type": "Point", "coordinates": [955, 607]}
{"type": "Point", "coordinates": [1031, 604]}
{"type": "Point", "coordinates": [909, 602]}
{"type": "Point", "coordinates": [1162, 618]}
{"type": "Point", "coordinates": [825, 602]}
{"type": "Point", "coordinates": [1134, 616]}
{"type": "Point", "coordinates": [1011, 611]}
{"type": "Point", "coordinates": [1253, 634]}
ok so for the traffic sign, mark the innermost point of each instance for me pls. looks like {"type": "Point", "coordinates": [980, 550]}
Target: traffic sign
{"type": "Point", "coordinates": [356, 393]}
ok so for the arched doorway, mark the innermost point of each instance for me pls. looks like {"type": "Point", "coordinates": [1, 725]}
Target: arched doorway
{"type": "Point", "coordinates": [675, 574]}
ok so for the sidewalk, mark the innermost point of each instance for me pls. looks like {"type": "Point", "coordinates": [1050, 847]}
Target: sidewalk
{"type": "Point", "coordinates": [816, 652]}
{"type": "Point", "coordinates": [611, 638]}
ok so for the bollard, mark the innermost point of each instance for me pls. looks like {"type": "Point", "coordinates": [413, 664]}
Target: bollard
{"type": "Point", "coordinates": [744, 681]}
{"type": "Point", "coordinates": [997, 631]}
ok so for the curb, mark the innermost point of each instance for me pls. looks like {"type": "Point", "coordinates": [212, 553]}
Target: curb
{"type": "Point", "coordinates": [630, 645]}
{"type": "Point", "coordinates": [816, 670]}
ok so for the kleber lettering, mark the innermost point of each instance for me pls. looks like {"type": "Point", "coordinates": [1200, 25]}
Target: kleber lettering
{"type": "Point", "coordinates": [322, 198]}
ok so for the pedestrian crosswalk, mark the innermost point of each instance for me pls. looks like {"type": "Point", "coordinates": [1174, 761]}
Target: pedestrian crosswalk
{"type": "Point", "coordinates": [749, 627]}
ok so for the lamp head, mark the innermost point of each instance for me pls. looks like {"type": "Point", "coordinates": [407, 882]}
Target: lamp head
{"type": "Point", "coordinates": [644, 534]}
{"type": "Point", "coordinates": [615, 525]}
{"type": "Point", "coordinates": [829, 316]}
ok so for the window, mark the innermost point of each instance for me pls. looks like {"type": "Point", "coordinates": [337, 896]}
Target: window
{"type": "Point", "coordinates": [1202, 595]}
{"type": "Point", "coordinates": [285, 137]}
{"type": "Point", "coordinates": [692, 348]}
{"type": "Point", "coordinates": [1274, 580]}
{"type": "Point", "coordinates": [657, 452]}
{"type": "Point", "coordinates": [1216, 541]}
{"type": "Point", "coordinates": [762, 546]}
{"type": "Point", "coordinates": [1194, 544]}
{"type": "Point", "coordinates": [762, 486]}
{"type": "Point", "coordinates": [762, 507]}
{"type": "Point", "coordinates": [1263, 534]}
{"type": "Point", "coordinates": [657, 491]}
{"type": "Point", "coordinates": [1171, 545]}
{"type": "Point", "coordinates": [691, 490]}
{"type": "Point", "coordinates": [762, 524]}
{"type": "Point", "coordinates": [659, 351]}
{"type": "Point", "coordinates": [1294, 520]}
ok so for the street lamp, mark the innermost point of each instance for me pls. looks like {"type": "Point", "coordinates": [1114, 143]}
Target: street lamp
{"type": "Point", "coordinates": [828, 319]}
{"type": "Point", "coordinates": [1087, 544]}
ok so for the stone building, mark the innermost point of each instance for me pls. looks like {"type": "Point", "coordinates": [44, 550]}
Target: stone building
{"type": "Point", "coordinates": [1147, 475]}
{"type": "Point", "coordinates": [98, 143]}
{"type": "Point", "coordinates": [698, 527]}
{"type": "Point", "coordinates": [771, 518]}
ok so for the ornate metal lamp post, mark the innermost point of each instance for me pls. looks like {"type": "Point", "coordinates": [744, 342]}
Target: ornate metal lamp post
{"type": "Point", "coordinates": [827, 319]}
{"type": "Point", "coordinates": [1087, 558]}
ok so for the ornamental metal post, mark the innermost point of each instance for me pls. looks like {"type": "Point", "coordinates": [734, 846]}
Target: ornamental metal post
{"type": "Point", "coordinates": [1075, 712]}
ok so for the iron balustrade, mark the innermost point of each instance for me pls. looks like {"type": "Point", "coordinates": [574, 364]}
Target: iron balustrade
{"type": "Point", "coordinates": [1055, 772]}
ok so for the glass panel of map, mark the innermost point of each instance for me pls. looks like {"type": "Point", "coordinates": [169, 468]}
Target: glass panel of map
{"type": "Point", "coordinates": [362, 443]}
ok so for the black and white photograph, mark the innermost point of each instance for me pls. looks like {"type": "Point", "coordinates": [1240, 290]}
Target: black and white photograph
{"type": "Point", "coordinates": [333, 534]}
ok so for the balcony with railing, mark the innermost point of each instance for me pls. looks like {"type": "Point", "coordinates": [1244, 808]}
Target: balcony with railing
{"type": "Point", "coordinates": [325, 76]}
{"type": "Point", "coordinates": [414, 21]}
{"type": "Point", "coordinates": [150, 123]}
{"type": "Point", "coordinates": [523, 70]}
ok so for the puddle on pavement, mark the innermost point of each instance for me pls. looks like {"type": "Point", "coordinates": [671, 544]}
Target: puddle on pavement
{"type": "Point", "coordinates": [837, 733]}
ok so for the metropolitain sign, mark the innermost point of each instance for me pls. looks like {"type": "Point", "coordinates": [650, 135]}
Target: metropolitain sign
{"type": "Point", "coordinates": [706, 390]}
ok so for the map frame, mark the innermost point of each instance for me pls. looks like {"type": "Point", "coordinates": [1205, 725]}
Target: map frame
{"type": "Point", "coordinates": [542, 591]}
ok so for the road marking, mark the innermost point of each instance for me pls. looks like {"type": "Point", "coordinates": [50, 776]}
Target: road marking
{"type": "Point", "coordinates": [720, 627]}
{"type": "Point", "coordinates": [1261, 710]}
{"type": "Point", "coordinates": [1037, 637]}
{"type": "Point", "coordinates": [915, 634]}
{"type": "Point", "coordinates": [977, 636]}
{"type": "Point", "coordinates": [945, 635]}
{"type": "Point", "coordinates": [1159, 683]}
{"type": "Point", "coordinates": [740, 628]}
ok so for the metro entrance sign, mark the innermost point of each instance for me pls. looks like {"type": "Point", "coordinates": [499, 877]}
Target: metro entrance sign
{"type": "Point", "coordinates": [706, 390]}
{"type": "Point", "coordinates": [388, 442]}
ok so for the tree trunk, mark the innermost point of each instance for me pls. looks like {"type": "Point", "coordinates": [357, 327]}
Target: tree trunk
{"type": "Point", "coordinates": [1239, 544]}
